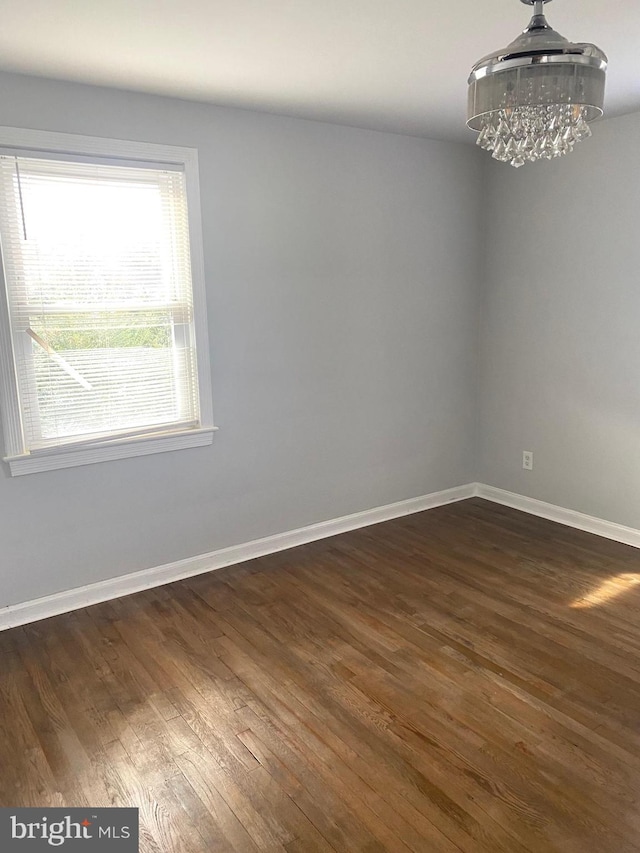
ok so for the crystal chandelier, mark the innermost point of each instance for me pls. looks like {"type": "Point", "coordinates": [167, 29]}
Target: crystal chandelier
{"type": "Point", "coordinates": [535, 98]}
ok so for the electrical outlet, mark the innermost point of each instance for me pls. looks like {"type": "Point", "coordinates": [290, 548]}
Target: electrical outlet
{"type": "Point", "coordinates": [527, 460]}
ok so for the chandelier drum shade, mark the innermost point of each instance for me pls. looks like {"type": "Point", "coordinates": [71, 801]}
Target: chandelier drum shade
{"type": "Point", "coordinates": [535, 98]}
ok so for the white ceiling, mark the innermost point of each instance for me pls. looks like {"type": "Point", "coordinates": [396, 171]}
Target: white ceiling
{"type": "Point", "coordinates": [389, 64]}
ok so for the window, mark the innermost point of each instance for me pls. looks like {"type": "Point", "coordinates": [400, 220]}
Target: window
{"type": "Point", "coordinates": [103, 326]}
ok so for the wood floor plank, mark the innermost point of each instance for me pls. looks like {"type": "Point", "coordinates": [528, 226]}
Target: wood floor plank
{"type": "Point", "coordinates": [464, 680]}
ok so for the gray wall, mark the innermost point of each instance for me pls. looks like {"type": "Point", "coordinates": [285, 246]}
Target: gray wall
{"type": "Point", "coordinates": [342, 289]}
{"type": "Point", "coordinates": [560, 351]}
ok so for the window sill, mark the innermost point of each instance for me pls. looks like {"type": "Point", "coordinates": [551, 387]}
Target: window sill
{"type": "Point", "coordinates": [32, 463]}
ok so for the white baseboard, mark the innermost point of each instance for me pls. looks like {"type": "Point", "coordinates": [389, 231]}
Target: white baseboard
{"type": "Point", "coordinates": [73, 599]}
{"type": "Point", "coordinates": [589, 523]}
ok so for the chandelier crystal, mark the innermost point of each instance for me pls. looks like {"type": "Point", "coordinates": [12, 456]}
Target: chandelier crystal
{"type": "Point", "coordinates": [535, 98]}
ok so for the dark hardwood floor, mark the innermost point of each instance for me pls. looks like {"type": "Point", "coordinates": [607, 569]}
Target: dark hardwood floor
{"type": "Point", "coordinates": [465, 679]}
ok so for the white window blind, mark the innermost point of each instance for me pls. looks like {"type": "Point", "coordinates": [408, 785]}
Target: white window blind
{"type": "Point", "coordinates": [97, 267]}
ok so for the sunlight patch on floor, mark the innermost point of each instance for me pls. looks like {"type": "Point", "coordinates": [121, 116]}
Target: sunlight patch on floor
{"type": "Point", "coordinates": [607, 591]}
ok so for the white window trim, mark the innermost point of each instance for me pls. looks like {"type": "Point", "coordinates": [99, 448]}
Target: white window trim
{"type": "Point", "coordinates": [27, 463]}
